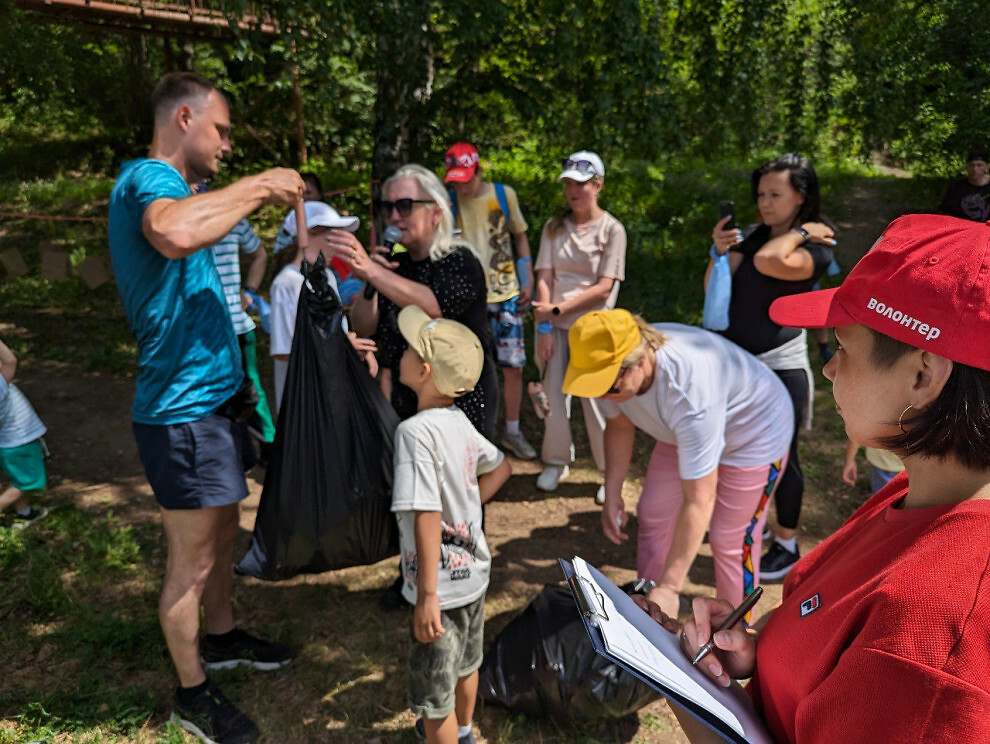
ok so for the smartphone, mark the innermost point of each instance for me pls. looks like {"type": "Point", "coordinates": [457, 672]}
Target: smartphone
{"type": "Point", "coordinates": [727, 209]}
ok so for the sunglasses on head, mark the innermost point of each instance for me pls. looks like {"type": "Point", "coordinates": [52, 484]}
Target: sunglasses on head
{"type": "Point", "coordinates": [403, 206]}
{"type": "Point", "coordinates": [460, 161]}
{"type": "Point", "coordinates": [581, 166]}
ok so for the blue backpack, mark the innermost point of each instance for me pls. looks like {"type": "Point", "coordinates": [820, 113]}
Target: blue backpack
{"type": "Point", "coordinates": [499, 194]}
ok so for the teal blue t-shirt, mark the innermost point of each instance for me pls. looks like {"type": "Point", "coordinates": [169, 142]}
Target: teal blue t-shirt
{"type": "Point", "coordinates": [187, 351]}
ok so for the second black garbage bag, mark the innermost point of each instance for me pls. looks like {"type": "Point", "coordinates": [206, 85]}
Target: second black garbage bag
{"type": "Point", "coordinates": [328, 486]}
{"type": "Point", "coordinates": [543, 663]}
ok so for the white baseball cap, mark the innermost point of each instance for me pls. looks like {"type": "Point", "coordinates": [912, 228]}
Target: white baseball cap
{"type": "Point", "coordinates": [582, 166]}
{"type": "Point", "coordinates": [318, 214]}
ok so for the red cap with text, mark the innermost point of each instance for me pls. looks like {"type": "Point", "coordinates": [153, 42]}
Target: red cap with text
{"type": "Point", "coordinates": [925, 282]}
{"type": "Point", "coordinates": [462, 161]}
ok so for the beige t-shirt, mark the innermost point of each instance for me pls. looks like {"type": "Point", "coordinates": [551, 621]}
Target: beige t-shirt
{"type": "Point", "coordinates": [484, 226]}
{"type": "Point", "coordinates": [579, 257]}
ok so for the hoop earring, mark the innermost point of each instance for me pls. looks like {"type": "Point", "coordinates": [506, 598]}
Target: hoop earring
{"type": "Point", "coordinates": [900, 419]}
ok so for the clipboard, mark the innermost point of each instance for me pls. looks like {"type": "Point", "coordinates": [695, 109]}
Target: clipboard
{"type": "Point", "coordinates": [609, 614]}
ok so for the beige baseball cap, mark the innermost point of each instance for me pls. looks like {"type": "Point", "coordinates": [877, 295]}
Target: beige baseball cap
{"type": "Point", "coordinates": [451, 349]}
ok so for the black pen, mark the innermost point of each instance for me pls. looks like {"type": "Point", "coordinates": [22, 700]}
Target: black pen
{"type": "Point", "coordinates": [735, 617]}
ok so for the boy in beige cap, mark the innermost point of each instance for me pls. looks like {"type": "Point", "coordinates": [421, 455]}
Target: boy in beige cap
{"type": "Point", "coordinates": [444, 471]}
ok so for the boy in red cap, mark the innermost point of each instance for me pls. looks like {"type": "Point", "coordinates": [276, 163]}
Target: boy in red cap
{"type": "Point", "coordinates": [489, 219]}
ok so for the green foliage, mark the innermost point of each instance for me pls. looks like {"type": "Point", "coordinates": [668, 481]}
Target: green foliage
{"type": "Point", "coordinates": [389, 81]}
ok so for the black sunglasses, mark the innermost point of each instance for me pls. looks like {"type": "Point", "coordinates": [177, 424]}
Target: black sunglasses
{"type": "Point", "coordinates": [403, 206]}
{"type": "Point", "coordinates": [581, 166]}
{"type": "Point", "coordinates": [618, 378]}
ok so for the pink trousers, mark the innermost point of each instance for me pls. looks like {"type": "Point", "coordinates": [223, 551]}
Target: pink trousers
{"type": "Point", "coordinates": [735, 530]}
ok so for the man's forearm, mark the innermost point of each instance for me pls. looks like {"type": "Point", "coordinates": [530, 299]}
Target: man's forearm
{"type": "Point", "coordinates": [180, 227]}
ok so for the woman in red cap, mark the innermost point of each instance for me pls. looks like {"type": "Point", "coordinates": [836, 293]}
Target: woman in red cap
{"type": "Point", "coordinates": [883, 633]}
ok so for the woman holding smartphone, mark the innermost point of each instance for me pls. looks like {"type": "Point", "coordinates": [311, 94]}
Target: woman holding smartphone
{"type": "Point", "coordinates": [786, 253]}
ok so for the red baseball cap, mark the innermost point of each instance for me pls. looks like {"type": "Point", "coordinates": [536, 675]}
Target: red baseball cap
{"type": "Point", "coordinates": [462, 162]}
{"type": "Point", "coordinates": [925, 282]}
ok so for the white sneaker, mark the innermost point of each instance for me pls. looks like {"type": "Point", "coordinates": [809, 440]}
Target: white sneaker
{"type": "Point", "coordinates": [517, 445]}
{"type": "Point", "coordinates": [600, 496]}
{"type": "Point", "coordinates": [551, 477]}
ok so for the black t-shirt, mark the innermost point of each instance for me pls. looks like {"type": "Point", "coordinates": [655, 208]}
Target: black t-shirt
{"type": "Point", "coordinates": [963, 199]}
{"type": "Point", "coordinates": [752, 293]}
{"type": "Point", "coordinates": [458, 282]}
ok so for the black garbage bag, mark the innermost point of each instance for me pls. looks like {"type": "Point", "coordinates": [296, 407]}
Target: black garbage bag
{"type": "Point", "coordinates": [543, 663]}
{"type": "Point", "coordinates": [328, 486]}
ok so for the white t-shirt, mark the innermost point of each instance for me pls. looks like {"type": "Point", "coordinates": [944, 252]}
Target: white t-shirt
{"type": "Point", "coordinates": [712, 400]}
{"type": "Point", "coordinates": [438, 458]}
{"type": "Point", "coordinates": [285, 301]}
{"type": "Point", "coordinates": [19, 424]}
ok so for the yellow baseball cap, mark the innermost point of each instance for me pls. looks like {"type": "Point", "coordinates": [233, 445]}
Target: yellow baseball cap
{"type": "Point", "coordinates": [451, 349]}
{"type": "Point", "coordinates": [599, 341]}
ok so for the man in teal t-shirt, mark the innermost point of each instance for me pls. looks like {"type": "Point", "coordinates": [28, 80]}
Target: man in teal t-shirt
{"type": "Point", "coordinates": [186, 405]}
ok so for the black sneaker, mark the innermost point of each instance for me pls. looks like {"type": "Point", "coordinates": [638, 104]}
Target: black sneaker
{"type": "Point", "coordinates": [244, 648]}
{"type": "Point", "coordinates": [36, 514]}
{"type": "Point", "coordinates": [777, 561]}
{"type": "Point", "coordinates": [214, 719]}
{"type": "Point", "coordinates": [420, 731]}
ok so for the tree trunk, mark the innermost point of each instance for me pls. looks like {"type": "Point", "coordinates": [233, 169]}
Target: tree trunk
{"type": "Point", "coordinates": [405, 86]}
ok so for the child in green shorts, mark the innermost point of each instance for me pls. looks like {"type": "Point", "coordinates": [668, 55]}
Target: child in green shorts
{"type": "Point", "coordinates": [22, 457]}
{"type": "Point", "coordinates": [444, 471]}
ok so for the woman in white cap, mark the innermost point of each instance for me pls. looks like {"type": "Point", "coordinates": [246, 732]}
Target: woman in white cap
{"type": "Point", "coordinates": [288, 281]}
{"type": "Point", "coordinates": [882, 633]}
{"type": "Point", "coordinates": [581, 261]}
{"type": "Point", "coordinates": [722, 424]}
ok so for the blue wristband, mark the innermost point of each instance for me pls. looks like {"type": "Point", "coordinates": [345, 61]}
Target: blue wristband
{"type": "Point", "coordinates": [545, 327]}
{"type": "Point", "coordinates": [522, 271]}
{"type": "Point", "coordinates": [712, 252]}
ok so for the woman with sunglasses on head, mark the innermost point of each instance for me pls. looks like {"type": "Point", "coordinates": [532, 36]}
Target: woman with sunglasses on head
{"type": "Point", "coordinates": [882, 632]}
{"type": "Point", "coordinates": [581, 261]}
{"type": "Point", "coordinates": [722, 426]}
{"type": "Point", "coordinates": [436, 272]}
{"type": "Point", "coordinates": [786, 253]}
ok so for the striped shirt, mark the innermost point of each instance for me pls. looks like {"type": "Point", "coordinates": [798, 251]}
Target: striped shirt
{"type": "Point", "coordinates": [228, 260]}
{"type": "Point", "coordinates": [19, 424]}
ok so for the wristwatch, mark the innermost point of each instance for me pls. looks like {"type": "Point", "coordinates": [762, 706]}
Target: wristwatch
{"type": "Point", "coordinates": [802, 232]}
{"type": "Point", "coordinates": [555, 310]}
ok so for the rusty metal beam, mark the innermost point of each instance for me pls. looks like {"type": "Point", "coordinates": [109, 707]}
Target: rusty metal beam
{"type": "Point", "coordinates": [192, 19]}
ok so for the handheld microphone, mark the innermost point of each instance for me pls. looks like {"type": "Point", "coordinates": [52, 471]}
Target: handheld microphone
{"type": "Point", "coordinates": [392, 236]}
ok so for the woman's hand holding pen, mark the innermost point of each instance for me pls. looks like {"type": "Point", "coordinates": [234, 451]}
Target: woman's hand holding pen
{"type": "Point", "coordinates": [734, 655]}
{"type": "Point", "coordinates": [724, 239]}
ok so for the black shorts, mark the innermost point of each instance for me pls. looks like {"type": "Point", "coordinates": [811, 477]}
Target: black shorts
{"type": "Point", "coordinates": [194, 465]}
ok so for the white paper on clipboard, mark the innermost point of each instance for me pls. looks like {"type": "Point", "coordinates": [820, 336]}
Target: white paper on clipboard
{"type": "Point", "coordinates": [655, 653]}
